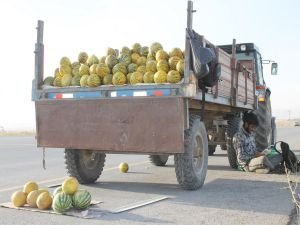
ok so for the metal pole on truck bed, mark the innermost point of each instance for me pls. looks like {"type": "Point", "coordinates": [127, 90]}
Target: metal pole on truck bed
{"type": "Point", "coordinates": [39, 58]}
{"type": "Point", "coordinates": [187, 42]}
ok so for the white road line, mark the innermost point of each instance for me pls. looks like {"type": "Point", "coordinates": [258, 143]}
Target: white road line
{"type": "Point", "coordinates": [62, 178]}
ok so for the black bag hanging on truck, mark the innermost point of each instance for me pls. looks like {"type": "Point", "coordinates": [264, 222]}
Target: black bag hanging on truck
{"type": "Point", "coordinates": [204, 61]}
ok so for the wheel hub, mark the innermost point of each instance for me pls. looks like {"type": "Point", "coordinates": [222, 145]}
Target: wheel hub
{"type": "Point", "coordinates": [90, 159]}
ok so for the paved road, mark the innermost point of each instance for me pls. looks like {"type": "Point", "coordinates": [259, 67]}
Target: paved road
{"type": "Point", "coordinates": [228, 197]}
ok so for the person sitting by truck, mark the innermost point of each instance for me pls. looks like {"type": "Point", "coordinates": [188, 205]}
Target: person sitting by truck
{"type": "Point", "coordinates": [250, 158]}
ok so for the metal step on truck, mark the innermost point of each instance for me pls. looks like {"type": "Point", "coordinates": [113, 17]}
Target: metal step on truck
{"type": "Point", "coordinates": [187, 120]}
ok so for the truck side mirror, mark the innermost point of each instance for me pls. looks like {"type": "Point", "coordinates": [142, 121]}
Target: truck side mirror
{"type": "Point", "coordinates": [274, 68]}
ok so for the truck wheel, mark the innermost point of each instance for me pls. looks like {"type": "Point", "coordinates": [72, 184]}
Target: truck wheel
{"type": "Point", "coordinates": [263, 132]}
{"type": "Point", "coordinates": [85, 165]}
{"type": "Point", "coordinates": [191, 166]}
{"type": "Point", "coordinates": [233, 127]}
{"type": "Point", "coordinates": [211, 149]}
{"type": "Point", "coordinates": [273, 132]}
{"type": "Point", "coordinates": [159, 160]}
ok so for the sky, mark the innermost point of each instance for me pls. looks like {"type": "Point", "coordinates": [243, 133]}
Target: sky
{"type": "Point", "coordinates": [93, 25]}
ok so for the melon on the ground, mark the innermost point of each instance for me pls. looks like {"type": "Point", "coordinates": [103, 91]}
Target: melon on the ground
{"type": "Point", "coordinates": [44, 201]}
{"type": "Point", "coordinates": [173, 62]}
{"type": "Point", "coordinates": [83, 80]}
{"type": "Point", "coordinates": [111, 61]}
{"type": "Point", "coordinates": [151, 66]}
{"type": "Point", "coordinates": [66, 80]}
{"type": "Point", "coordinates": [136, 77]}
{"type": "Point", "coordinates": [120, 67]}
{"type": "Point", "coordinates": [18, 198]}
{"type": "Point", "coordinates": [107, 79]}
{"type": "Point", "coordinates": [70, 185]}
{"type": "Point", "coordinates": [49, 81]}
{"type": "Point", "coordinates": [84, 70]}
{"type": "Point", "coordinates": [82, 57]}
{"type": "Point", "coordinates": [148, 77]}
{"type": "Point", "coordinates": [93, 80]}
{"type": "Point", "coordinates": [30, 186]}
{"type": "Point", "coordinates": [124, 167]}
{"type": "Point", "coordinates": [81, 199]}
{"type": "Point", "coordinates": [160, 77]}
{"type": "Point", "coordinates": [62, 202]}
{"type": "Point", "coordinates": [102, 70]}
{"type": "Point", "coordinates": [162, 65]}
{"type": "Point", "coordinates": [173, 76]}
{"type": "Point", "coordinates": [119, 78]}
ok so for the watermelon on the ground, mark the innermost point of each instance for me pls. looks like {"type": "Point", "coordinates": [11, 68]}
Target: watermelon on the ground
{"type": "Point", "coordinates": [81, 199]}
{"type": "Point", "coordinates": [62, 202]}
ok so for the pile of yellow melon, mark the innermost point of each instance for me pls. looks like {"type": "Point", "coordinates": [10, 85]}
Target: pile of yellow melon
{"type": "Point", "coordinates": [65, 197]}
{"type": "Point", "coordinates": [118, 67]}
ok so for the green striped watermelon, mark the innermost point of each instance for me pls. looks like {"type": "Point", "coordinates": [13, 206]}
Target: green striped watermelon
{"type": "Point", "coordinates": [81, 199]}
{"type": "Point", "coordinates": [62, 202]}
{"type": "Point", "coordinates": [57, 190]}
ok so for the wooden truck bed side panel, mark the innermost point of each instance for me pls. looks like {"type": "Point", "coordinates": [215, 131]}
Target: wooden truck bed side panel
{"type": "Point", "coordinates": [139, 125]}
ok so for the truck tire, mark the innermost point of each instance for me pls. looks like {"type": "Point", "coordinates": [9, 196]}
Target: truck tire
{"type": "Point", "coordinates": [159, 160]}
{"type": "Point", "coordinates": [211, 149]}
{"type": "Point", "coordinates": [273, 132]}
{"type": "Point", "coordinates": [191, 166]}
{"type": "Point", "coordinates": [264, 131]}
{"type": "Point", "coordinates": [85, 165]}
{"type": "Point", "coordinates": [233, 127]}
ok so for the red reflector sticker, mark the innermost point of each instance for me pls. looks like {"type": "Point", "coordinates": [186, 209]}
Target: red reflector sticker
{"type": "Point", "coordinates": [58, 96]}
{"type": "Point", "coordinates": [157, 93]}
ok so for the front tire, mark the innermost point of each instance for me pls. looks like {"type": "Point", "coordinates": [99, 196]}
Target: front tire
{"type": "Point", "coordinates": [191, 166]}
{"type": "Point", "coordinates": [85, 165]}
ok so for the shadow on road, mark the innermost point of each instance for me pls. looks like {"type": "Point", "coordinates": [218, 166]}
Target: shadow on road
{"type": "Point", "coordinates": [244, 195]}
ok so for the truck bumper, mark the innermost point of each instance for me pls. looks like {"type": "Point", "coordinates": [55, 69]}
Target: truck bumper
{"type": "Point", "coordinates": [147, 125]}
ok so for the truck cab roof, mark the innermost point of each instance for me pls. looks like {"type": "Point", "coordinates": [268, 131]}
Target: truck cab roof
{"type": "Point", "coordinates": [240, 48]}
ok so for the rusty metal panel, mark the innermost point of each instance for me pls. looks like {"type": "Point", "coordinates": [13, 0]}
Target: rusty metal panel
{"type": "Point", "coordinates": [139, 125]}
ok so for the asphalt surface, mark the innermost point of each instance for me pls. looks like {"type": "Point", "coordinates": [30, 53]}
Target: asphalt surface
{"type": "Point", "coordinates": [228, 196]}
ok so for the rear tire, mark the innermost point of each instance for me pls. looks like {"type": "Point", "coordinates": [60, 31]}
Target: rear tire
{"type": "Point", "coordinates": [233, 127]}
{"type": "Point", "coordinates": [159, 160]}
{"type": "Point", "coordinates": [85, 165]}
{"type": "Point", "coordinates": [191, 166]}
